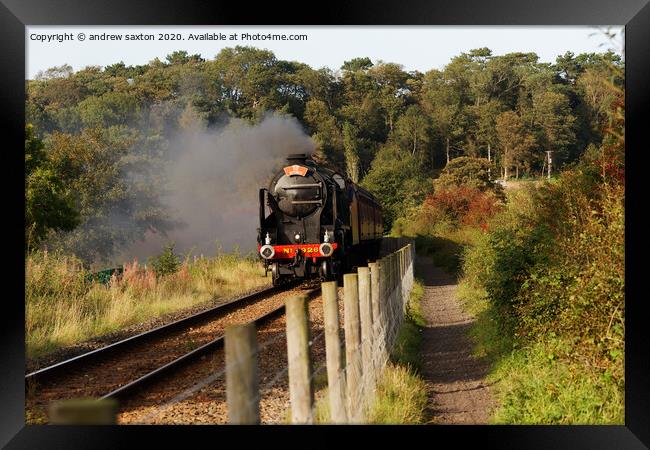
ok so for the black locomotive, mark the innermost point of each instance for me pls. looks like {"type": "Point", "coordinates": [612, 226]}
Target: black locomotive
{"type": "Point", "coordinates": [318, 223]}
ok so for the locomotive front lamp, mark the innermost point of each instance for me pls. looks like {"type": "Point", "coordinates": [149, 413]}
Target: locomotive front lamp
{"type": "Point", "coordinates": [267, 251]}
{"type": "Point", "coordinates": [326, 249]}
{"type": "Point", "coordinates": [297, 237]}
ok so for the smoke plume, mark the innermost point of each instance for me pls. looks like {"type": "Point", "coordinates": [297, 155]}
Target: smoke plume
{"type": "Point", "coordinates": [213, 183]}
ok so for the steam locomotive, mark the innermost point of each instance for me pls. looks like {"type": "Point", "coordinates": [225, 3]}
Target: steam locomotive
{"type": "Point", "coordinates": [315, 222]}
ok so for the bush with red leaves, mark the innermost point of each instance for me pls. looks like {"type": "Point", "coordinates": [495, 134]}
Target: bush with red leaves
{"type": "Point", "coordinates": [463, 205]}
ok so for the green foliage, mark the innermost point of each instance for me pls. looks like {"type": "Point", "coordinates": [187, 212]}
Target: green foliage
{"type": "Point", "coordinates": [357, 64]}
{"type": "Point", "coordinates": [115, 177]}
{"type": "Point", "coordinates": [407, 345]}
{"type": "Point", "coordinates": [469, 172]}
{"type": "Point", "coordinates": [545, 281]}
{"type": "Point", "coordinates": [48, 204]}
{"type": "Point", "coordinates": [551, 261]}
{"type": "Point", "coordinates": [167, 262]}
{"type": "Point", "coordinates": [542, 385]}
{"type": "Point", "coordinates": [444, 252]}
{"type": "Point", "coordinates": [112, 108]}
{"type": "Point", "coordinates": [515, 139]}
{"type": "Point", "coordinates": [388, 128]}
{"type": "Point", "coordinates": [401, 393]}
{"type": "Point", "coordinates": [550, 278]}
{"type": "Point", "coordinates": [396, 192]}
{"type": "Point", "coordinates": [35, 155]}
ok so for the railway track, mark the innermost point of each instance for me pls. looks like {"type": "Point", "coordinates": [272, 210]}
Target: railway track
{"type": "Point", "coordinates": [196, 393]}
{"type": "Point", "coordinates": [191, 356]}
{"type": "Point", "coordinates": [123, 368]}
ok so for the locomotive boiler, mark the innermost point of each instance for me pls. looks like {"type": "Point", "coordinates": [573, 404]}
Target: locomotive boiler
{"type": "Point", "coordinates": [315, 222]}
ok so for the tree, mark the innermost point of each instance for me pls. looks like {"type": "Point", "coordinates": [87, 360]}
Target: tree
{"type": "Point", "coordinates": [104, 128]}
{"type": "Point", "coordinates": [397, 182]}
{"type": "Point", "coordinates": [351, 148]}
{"type": "Point", "coordinates": [63, 71]}
{"type": "Point", "coordinates": [412, 131]}
{"type": "Point", "coordinates": [515, 141]}
{"type": "Point", "coordinates": [357, 64]}
{"type": "Point", "coordinates": [182, 57]}
{"type": "Point", "coordinates": [113, 108]}
{"type": "Point", "coordinates": [554, 122]}
{"type": "Point", "coordinates": [391, 82]}
{"type": "Point", "coordinates": [115, 176]}
{"type": "Point", "coordinates": [48, 204]}
{"type": "Point", "coordinates": [466, 171]}
{"type": "Point", "coordinates": [441, 102]}
{"type": "Point", "coordinates": [326, 133]}
{"type": "Point", "coordinates": [599, 90]}
{"type": "Point", "coordinates": [485, 125]}
{"type": "Point", "coordinates": [249, 77]}
{"type": "Point", "coordinates": [167, 262]}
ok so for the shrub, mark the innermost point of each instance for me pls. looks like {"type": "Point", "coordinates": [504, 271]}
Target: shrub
{"type": "Point", "coordinates": [550, 273]}
{"type": "Point", "coordinates": [460, 205]}
{"type": "Point", "coordinates": [468, 172]}
{"type": "Point", "coordinates": [167, 262]}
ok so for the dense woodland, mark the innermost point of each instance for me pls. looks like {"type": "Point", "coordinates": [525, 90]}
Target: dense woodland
{"type": "Point", "coordinates": [97, 138]}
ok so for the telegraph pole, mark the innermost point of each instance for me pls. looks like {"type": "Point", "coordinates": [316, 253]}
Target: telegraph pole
{"type": "Point", "coordinates": [447, 150]}
{"type": "Point", "coordinates": [549, 163]}
{"type": "Point", "coordinates": [490, 161]}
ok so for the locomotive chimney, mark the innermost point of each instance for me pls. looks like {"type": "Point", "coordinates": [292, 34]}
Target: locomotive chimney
{"type": "Point", "coordinates": [297, 158]}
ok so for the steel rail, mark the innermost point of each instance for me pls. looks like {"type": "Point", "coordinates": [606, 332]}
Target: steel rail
{"type": "Point", "coordinates": [133, 386]}
{"type": "Point", "coordinates": [94, 355]}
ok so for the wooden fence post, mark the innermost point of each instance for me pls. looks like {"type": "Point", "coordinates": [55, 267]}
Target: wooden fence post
{"type": "Point", "coordinates": [301, 393]}
{"type": "Point", "coordinates": [83, 411]}
{"type": "Point", "coordinates": [384, 310]}
{"type": "Point", "coordinates": [335, 375]}
{"type": "Point", "coordinates": [352, 346]}
{"type": "Point", "coordinates": [392, 298]}
{"type": "Point", "coordinates": [242, 385]}
{"type": "Point", "coordinates": [365, 314]}
{"type": "Point", "coordinates": [375, 290]}
{"type": "Point", "coordinates": [401, 279]}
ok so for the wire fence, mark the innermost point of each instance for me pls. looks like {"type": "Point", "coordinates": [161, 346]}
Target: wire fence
{"type": "Point", "coordinates": [375, 302]}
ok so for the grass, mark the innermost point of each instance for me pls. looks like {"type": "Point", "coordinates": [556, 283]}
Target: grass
{"type": "Point", "coordinates": [536, 387]}
{"type": "Point", "coordinates": [63, 309]}
{"type": "Point", "coordinates": [540, 382]}
{"type": "Point", "coordinates": [446, 246]}
{"type": "Point", "coordinates": [407, 345]}
{"type": "Point", "coordinates": [487, 335]}
{"type": "Point", "coordinates": [401, 395]}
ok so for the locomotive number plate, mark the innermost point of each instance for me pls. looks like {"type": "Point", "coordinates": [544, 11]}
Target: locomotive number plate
{"type": "Point", "coordinates": [308, 250]}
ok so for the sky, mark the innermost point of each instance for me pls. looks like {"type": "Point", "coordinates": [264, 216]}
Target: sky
{"type": "Point", "coordinates": [419, 48]}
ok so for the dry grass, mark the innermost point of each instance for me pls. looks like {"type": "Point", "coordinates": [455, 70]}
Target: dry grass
{"type": "Point", "coordinates": [63, 308]}
{"type": "Point", "coordinates": [401, 397]}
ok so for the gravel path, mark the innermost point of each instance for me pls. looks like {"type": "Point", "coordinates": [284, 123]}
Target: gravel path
{"type": "Point", "coordinates": [455, 378]}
